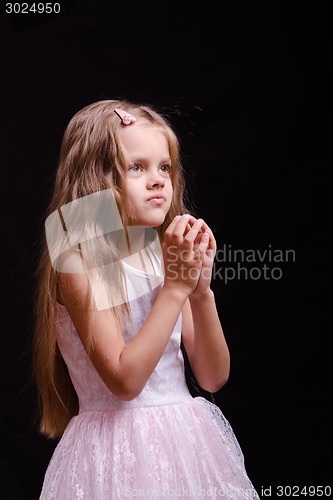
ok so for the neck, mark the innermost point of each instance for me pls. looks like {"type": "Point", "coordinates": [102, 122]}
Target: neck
{"type": "Point", "coordinates": [136, 239]}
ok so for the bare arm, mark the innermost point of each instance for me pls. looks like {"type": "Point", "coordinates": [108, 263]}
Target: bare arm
{"type": "Point", "coordinates": [203, 336]}
{"type": "Point", "coordinates": [204, 342]}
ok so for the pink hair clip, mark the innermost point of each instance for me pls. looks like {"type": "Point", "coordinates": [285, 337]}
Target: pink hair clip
{"type": "Point", "coordinates": [126, 118]}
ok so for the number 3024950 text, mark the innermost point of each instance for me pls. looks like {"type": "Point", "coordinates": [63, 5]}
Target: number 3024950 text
{"type": "Point", "coordinates": [35, 8]}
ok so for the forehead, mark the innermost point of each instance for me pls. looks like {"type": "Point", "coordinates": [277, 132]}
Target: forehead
{"type": "Point", "coordinates": [144, 139]}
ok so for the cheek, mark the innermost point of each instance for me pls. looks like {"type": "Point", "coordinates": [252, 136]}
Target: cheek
{"type": "Point", "coordinates": [130, 188]}
{"type": "Point", "coordinates": [169, 186]}
{"type": "Point", "coordinates": [170, 194]}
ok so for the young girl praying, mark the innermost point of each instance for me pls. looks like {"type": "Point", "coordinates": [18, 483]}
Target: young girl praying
{"type": "Point", "coordinates": [124, 278]}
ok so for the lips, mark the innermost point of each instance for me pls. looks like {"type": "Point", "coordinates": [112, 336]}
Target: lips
{"type": "Point", "coordinates": [156, 197]}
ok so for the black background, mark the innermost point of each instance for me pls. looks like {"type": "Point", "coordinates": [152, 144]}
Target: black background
{"type": "Point", "coordinates": [248, 88]}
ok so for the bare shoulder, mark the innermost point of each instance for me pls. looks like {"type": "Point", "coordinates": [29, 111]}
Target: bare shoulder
{"type": "Point", "coordinates": [71, 262]}
{"type": "Point", "coordinates": [73, 283]}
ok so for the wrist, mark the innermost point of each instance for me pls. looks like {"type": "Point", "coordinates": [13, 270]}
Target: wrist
{"type": "Point", "coordinates": [202, 297]}
{"type": "Point", "coordinates": [178, 292]}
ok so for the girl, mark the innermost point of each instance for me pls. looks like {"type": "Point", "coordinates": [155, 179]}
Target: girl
{"type": "Point", "coordinates": [124, 277]}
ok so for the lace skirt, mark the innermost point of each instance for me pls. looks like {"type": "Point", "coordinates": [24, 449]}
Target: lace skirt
{"type": "Point", "coordinates": [181, 450]}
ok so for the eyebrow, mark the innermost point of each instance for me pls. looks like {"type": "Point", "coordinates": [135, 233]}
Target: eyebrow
{"type": "Point", "coordinates": [139, 159]}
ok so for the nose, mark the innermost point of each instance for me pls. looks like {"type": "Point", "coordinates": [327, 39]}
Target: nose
{"type": "Point", "coordinates": [156, 181]}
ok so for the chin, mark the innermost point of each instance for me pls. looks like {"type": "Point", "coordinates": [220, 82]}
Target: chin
{"type": "Point", "coordinates": [153, 221]}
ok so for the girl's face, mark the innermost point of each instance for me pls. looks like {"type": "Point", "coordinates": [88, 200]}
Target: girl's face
{"type": "Point", "coordinates": [148, 183]}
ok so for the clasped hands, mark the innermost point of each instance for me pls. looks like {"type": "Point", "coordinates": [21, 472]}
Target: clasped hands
{"type": "Point", "coordinates": [189, 249]}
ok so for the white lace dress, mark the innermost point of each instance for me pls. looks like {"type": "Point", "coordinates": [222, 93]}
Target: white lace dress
{"type": "Point", "coordinates": [162, 444]}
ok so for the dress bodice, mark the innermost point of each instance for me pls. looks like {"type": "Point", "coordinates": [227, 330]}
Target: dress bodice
{"type": "Point", "coordinates": [167, 383]}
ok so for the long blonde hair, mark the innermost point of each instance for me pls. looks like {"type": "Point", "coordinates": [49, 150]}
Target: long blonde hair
{"type": "Point", "coordinates": [92, 159]}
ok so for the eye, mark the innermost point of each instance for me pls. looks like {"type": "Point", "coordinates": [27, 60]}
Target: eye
{"type": "Point", "coordinates": [165, 168]}
{"type": "Point", "coordinates": [135, 168]}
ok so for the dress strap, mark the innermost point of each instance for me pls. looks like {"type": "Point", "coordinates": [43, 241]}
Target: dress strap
{"type": "Point", "coordinates": [155, 261]}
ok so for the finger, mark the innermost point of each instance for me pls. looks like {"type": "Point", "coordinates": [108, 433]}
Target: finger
{"type": "Point", "coordinates": [212, 241]}
{"type": "Point", "coordinates": [188, 227]}
{"type": "Point", "coordinates": [181, 225]}
{"type": "Point", "coordinates": [203, 245]}
{"type": "Point", "coordinates": [172, 225]}
{"type": "Point", "coordinates": [210, 253]}
{"type": "Point", "coordinates": [192, 236]}
{"type": "Point", "coordinates": [198, 238]}
{"type": "Point", "coordinates": [192, 221]}
{"type": "Point", "coordinates": [205, 227]}
{"type": "Point", "coordinates": [201, 249]}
